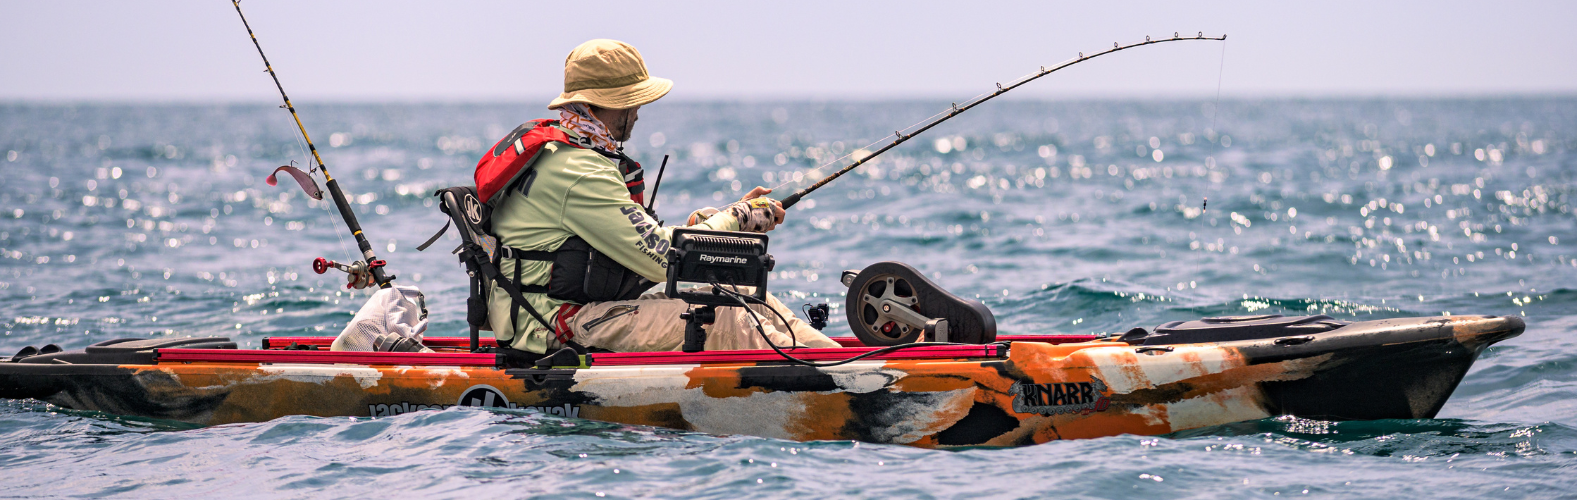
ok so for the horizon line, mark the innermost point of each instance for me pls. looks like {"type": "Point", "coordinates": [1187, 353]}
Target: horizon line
{"type": "Point", "coordinates": [502, 100]}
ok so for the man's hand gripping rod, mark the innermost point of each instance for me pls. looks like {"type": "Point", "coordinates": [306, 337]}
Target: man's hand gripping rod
{"type": "Point", "coordinates": [901, 137]}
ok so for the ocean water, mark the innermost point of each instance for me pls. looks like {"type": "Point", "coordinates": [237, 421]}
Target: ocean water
{"type": "Point", "coordinates": [1064, 217]}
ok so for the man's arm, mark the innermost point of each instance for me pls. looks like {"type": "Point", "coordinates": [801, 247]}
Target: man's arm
{"type": "Point", "coordinates": [598, 209]}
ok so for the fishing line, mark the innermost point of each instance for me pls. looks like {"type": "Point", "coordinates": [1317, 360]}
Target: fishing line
{"type": "Point", "coordinates": [900, 137]}
{"type": "Point", "coordinates": [306, 159]}
{"type": "Point", "coordinates": [1215, 111]}
{"type": "Point", "coordinates": [343, 248]}
{"type": "Point", "coordinates": [1210, 160]}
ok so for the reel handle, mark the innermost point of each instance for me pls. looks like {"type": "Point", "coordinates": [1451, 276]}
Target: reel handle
{"type": "Point", "coordinates": [321, 265]}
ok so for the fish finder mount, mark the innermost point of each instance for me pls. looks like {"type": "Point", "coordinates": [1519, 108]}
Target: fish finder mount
{"type": "Point", "coordinates": [716, 258]}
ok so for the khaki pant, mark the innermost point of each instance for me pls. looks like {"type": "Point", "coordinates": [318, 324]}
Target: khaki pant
{"type": "Point", "coordinates": [652, 323]}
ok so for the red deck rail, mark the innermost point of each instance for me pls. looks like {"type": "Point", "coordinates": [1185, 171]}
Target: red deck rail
{"type": "Point", "coordinates": [326, 357]}
{"type": "Point", "coordinates": [1049, 339]}
{"type": "Point", "coordinates": [825, 354]}
{"type": "Point", "coordinates": [464, 342]}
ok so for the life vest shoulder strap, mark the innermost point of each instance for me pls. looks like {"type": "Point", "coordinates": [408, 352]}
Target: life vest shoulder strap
{"type": "Point", "coordinates": [512, 158]}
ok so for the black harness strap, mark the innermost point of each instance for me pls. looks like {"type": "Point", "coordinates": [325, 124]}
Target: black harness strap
{"type": "Point", "coordinates": [514, 312]}
{"type": "Point", "coordinates": [423, 247]}
{"type": "Point", "coordinates": [536, 255]}
{"type": "Point", "coordinates": [491, 272]}
{"type": "Point", "coordinates": [518, 254]}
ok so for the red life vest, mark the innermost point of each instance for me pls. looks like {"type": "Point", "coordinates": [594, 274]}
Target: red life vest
{"type": "Point", "coordinates": [580, 274]}
{"type": "Point", "coordinates": [513, 156]}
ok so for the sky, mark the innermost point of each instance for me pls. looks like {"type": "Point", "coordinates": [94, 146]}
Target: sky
{"type": "Point", "coordinates": [466, 51]}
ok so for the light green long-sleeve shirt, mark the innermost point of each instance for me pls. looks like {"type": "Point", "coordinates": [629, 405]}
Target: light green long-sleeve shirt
{"type": "Point", "coordinates": [576, 192]}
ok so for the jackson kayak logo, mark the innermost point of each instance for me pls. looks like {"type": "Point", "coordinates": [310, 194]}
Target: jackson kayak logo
{"type": "Point", "coordinates": [1060, 398]}
{"type": "Point", "coordinates": [484, 396]}
{"type": "Point", "coordinates": [473, 209]}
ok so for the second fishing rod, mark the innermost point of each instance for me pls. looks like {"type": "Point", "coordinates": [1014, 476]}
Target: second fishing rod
{"type": "Point", "coordinates": [899, 137]}
{"type": "Point", "coordinates": [371, 263]}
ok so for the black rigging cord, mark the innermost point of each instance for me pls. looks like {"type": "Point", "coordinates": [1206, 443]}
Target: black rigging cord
{"type": "Point", "coordinates": [759, 330]}
{"type": "Point", "coordinates": [900, 137]}
{"type": "Point", "coordinates": [793, 337]}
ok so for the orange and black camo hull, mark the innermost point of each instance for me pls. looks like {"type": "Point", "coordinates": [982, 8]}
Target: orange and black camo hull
{"type": "Point", "coordinates": [1029, 392]}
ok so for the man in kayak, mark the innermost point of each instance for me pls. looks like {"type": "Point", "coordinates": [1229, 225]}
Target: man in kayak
{"type": "Point", "coordinates": [584, 188]}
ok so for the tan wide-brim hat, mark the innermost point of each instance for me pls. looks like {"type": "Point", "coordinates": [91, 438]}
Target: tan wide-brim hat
{"type": "Point", "coordinates": [609, 74]}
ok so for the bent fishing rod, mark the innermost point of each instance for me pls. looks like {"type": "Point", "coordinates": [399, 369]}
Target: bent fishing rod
{"type": "Point", "coordinates": [919, 128]}
{"type": "Point", "coordinates": [372, 264]}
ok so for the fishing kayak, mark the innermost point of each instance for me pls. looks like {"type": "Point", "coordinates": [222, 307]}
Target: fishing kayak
{"type": "Point", "coordinates": [1018, 390]}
